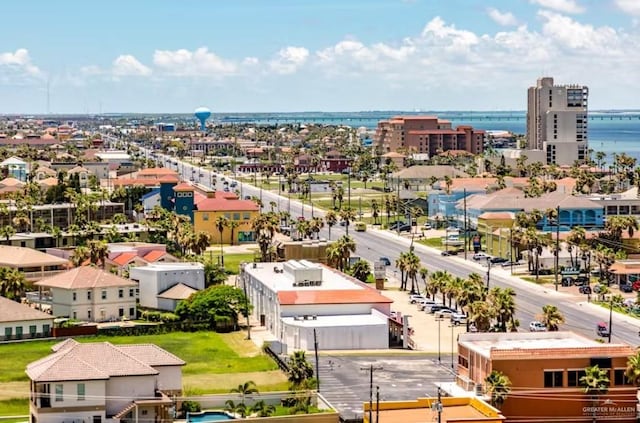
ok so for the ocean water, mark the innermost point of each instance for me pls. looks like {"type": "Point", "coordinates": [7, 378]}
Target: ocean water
{"type": "Point", "coordinates": [610, 132]}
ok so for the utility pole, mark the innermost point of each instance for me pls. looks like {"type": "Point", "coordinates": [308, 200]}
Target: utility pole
{"type": "Point", "coordinates": [377, 404]}
{"type": "Point", "coordinates": [557, 270]}
{"type": "Point", "coordinates": [466, 233]}
{"type": "Point", "coordinates": [371, 369]}
{"type": "Point", "coordinates": [488, 273]}
{"type": "Point", "coordinates": [349, 187]}
{"type": "Point", "coordinates": [398, 208]}
{"type": "Point", "coordinates": [610, 318]}
{"type": "Point", "coordinates": [243, 275]}
{"type": "Point", "coordinates": [315, 348]}
{"type": "Point", "coordinates": [439, 406]}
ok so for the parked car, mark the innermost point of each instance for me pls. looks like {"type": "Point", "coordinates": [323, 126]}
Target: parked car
{"type": "Point", "coordinates": [581, 280]}
{"type": "Point", "coordinates": [385, 261]}
{"type": "Point", "coordinates": [404, 228]}
{"type": "Point", "coordinates": [449, 253]}
{"type": "Point", "coordinates": [545, 272]}
{"type": "Point", "coordinates": [427, 226]}
{"type": "Point", "coordinates": [444, 312]}
{"type": "Point", "coordinates": [498, 260]}
{"type": "Point", "coordinates": [625, 287]}
{"type": "Point", "coordinates": [480, 256]}
{"type": "Point", "coordinates": [636, 286]}
{"type": "Point", "coordinates": [426, 305]}
{"type": "Point", "coordinates": [598, 288]}
{"type": "Point", "coordinates": [458, 319]}
{"type": "Point", "coordinates": [584, 289]}
{"type": "Point", "coordinates": [567, 281]}
{"type": "Point", "coordinates": [233, 184]}
{"type": "Point", "coordinates": [537, 326]}
{"type": "Point", "coordinates": [511, 263]}
{"type": "Point", "coordinates": [414, 298]}
{"type": "Point", "coordinates": [437, 307]}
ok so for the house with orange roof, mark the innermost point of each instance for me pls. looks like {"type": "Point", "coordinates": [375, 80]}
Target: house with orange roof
{"type": "Point", "coordinates": [101, 382]}
{"type": "Point", "coordinates": [91, 294]}
{"type": "Point", "coordinates": [294, 299]}
{"type": "Point", "coordinates": [125, 255]}
{"type": "Point", "coordinates": [240, 214]}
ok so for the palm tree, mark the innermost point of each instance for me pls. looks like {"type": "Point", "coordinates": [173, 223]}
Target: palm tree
{"type": "Point", "coordinates": [239, 409]}
{"type": "Point", "coordinates": [80, 255]}
{"type": "Point", "coordinates": [233, 225]}
{"type": "Point", "coordinates": [247, 388]}
{"type": "Point", "coordinates": [331, 219]}
{"type": "Point", "coordinates": [424, 273]}
{"type": "Point", "coordinates": [595, 382]}
{"type": "Point", "coordinates": [262, 409]}
{"type": "Point", "coordinates": [481, 314]}
{"type": "Point", "coordinates": [300, 370]}
{"type": "Point", "coordinates": [502, 300]}
{"type": "Point", "coordinates": [7, 232]}
{"type": "Point", "coordinates": [12, 283]}
{"type": "Point", "coordinates": [221, 223]}
{"type": "Point", "coordinates": [98, 251]}
{"type": "Point", "coordinates": [412, 269]}
{"type": "Point", "coordinates": [375, 211]}
{"type": "Point", "coordinates": [498, 387]}
{"type": "Point", "coordinates": [360, 270]}
{"type": "Point", "coordinates": [633, 369]}
{"type": "Point", "coordinates": [347, 215]}
{"type": "Point", "coordinates": [551, 317]}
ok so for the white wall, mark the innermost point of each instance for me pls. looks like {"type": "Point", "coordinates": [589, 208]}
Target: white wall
{"type": "Point", "coordinates": [25, 327]}
{"type": "Point", "coordinates": [170, 377]}
{"type": "Point", "coordinates": [153, 281]}
{"type": "Point", "coordinates": [70, 416]}
{"type": "Point", "coordinates": [336, 338]}
{"type": "Point", "coordinates": [94, 394]}
{"type": "Point", "coordinates": [122, 390]}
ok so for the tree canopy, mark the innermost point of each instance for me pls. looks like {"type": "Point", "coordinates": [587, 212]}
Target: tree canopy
{"type": "Point", "coordinates": [218, 306]}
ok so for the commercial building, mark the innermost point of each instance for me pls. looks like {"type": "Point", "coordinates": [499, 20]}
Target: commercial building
{"type": "Point", "coordinates": [557, 121]}
{"type": "Point", "coordinates": [101, 382]}
{"type": "Point", "coordinates": [448, 409]}
{"type": "Point", "coordinates": [427, 135]}
{"type": "Point", "coordinates": [163, 285]}
{"type": "Point", "coordinates": [295, 298]}
{"type": "Point", "coordinates": [545, 369]}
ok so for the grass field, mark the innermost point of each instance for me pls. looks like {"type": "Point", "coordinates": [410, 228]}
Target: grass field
{"type": "Point", "coordinates": [215, 363]}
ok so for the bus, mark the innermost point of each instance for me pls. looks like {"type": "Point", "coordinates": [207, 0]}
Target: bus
{"type": "Point", "coordinates": [360, 226]}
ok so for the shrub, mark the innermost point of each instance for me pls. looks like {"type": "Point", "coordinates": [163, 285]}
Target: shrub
{"type": "Point", "coordinates": [189, 406]}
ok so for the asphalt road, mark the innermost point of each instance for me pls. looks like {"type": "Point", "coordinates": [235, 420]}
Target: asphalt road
{"type": "Point", "coordinates": [372, 244]}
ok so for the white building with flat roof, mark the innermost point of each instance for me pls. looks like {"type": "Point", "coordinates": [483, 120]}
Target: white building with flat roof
{"type": "Point", "coordinates": [294, 298]}
{"type": "Point", "coordinates": [163, 285]}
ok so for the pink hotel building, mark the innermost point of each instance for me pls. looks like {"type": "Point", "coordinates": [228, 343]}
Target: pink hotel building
{"type": "Point", "coordinates": [427, 135]}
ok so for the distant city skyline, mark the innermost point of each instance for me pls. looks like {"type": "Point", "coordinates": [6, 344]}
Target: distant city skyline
{"type": "Point", "coordinates": [146, 56]}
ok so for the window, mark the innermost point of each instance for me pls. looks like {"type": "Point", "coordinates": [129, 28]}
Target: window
{"type": "Point", "coordinates": [46, 329]}
{"type": "Point", "coordinates": [573, 377]}
{"type": "Point", "coordinates": [74, 296]}
{"type": "Point", "coordinates": [121, 293]}
{"type": "Point", "coordinates": [246, 216]}
{"type": "Point", "coordinates": [236, 216]}
{"type": "Point", "coordinates": [104, 294]}
{"type": "Point", "coordinates": [59, 392]}
{"type": "Point", "coordinates": [88, 314]}
{"type": "Point", "coordinates": [132, 312]}
{"type": "Point", "coordinates": [80, 391]}
{"type": "Point", "coordinates": [32, 330]}
{"type": "Point", "coordinates": [121, 312]}
{"type": "Point", "coordinates": [228, 216]}
{"type": "Point", "coordinates": [89, 295]}
{"type": "Point", "coordinates": [205, 216]}
{"type": "Point", "coordinates": [619, 377]}
{"type": "Point", "coordinates": [553, 378]}
{"type": "Point", "coordinates": [131, 292]}
{"type": "Point", "coordinates": [18, 332]}
{"type": "Point", "coordinates": [75, 315]}
{"type": "Point", "coordinates": [8, 332]}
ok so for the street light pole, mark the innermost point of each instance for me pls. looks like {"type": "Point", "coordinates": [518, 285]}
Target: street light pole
{"type": "Point", "coordinates": [610, 318]}
{"type": "Point", "coordinates": [557, 261]}
{"type": "Point", "coordinates": [452, 326]}
{"type": "Point", "coordinates": [439, 319]}
{"type": "Point", "coordinates": [488, 273]}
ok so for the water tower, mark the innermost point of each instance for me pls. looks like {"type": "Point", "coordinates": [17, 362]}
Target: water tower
{"type": "Point", "coordinates": [202, 113]}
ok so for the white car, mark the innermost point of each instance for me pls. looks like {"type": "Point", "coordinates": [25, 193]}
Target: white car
{"type": "Point", "coordinates": [427, 226]}
{"type": "Point", "coordinates": [414, 298]}
{"type": "Point", "coordinates": [458, 318]}
{"type": "Point", "coordinates": [481, 256]}
{"type": "Point", "coordinates": [444, 313]}
{"type": "Point", "coordinates": [536, 326]}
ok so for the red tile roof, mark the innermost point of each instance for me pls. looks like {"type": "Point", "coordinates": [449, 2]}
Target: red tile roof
{"type": "Point", "coordinates": [124, 258]}
{"type": "Point", "coordinates": [333, 296]}
{"type": "Point", "coordinates": [226, 204]}
{"type": "Point", "coordinates": [155, 255]}
{"type": "Point", "coordinates": [169, 179]}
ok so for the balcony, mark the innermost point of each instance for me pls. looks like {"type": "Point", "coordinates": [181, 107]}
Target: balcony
{"type": "Point", "coordinates": [37, 275]}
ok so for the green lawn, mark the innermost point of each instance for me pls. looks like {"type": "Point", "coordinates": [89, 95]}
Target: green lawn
{"type": "Point", "coordinates": [232, 261]}
{"type": "Point", "coordinates": [215, 363]}
{"type": "Point", "coordinates": [14, 407]}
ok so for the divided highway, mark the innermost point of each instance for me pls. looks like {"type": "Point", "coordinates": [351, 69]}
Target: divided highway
{"type": "Point", "coordinates": [581, 317]}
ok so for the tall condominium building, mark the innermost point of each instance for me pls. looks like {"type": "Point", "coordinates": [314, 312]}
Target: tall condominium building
{"type": "Point", "coordinates": [427, 135]}
{"type": "Point", "coordinates": [557, 121]}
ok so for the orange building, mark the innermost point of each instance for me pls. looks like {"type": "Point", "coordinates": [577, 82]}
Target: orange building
{"type": "Point", "coordinates": [545, 370]}
{"type": "Point", "coordinates": [427, 134]}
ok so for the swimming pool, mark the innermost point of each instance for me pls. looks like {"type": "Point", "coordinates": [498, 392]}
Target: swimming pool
{"type": "Point", "coordinates": [209, 416]}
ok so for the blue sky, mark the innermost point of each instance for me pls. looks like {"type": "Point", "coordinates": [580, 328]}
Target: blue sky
{"type": "Point", "coordinates": [330, 55]}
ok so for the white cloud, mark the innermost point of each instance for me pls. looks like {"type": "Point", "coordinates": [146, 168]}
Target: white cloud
{"type": "Point", "coordinates": [579, 37]}
{"type": "Point", "coordinates": [289, 59]}
{"type": "Point", "coordinates": [629, 6]}
{"type": "Point", "coordinates": [200, 62]}
{"type": "Point", "coordinates": [19, 61]}
{"type": "Point", "coordinates": [566, 6]}
{"type": "Point", "coordinates": [250, 61]}
{"type": "Point", "coordinates": [502, 18]}
{"type": "Point", "coordinates": [452, 39]}
{"type": "Point", "coordinates": [127, 65]}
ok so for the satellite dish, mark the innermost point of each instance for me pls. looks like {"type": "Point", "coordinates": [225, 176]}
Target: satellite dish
{"type": "Point", "coordinates": [202, 113]}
